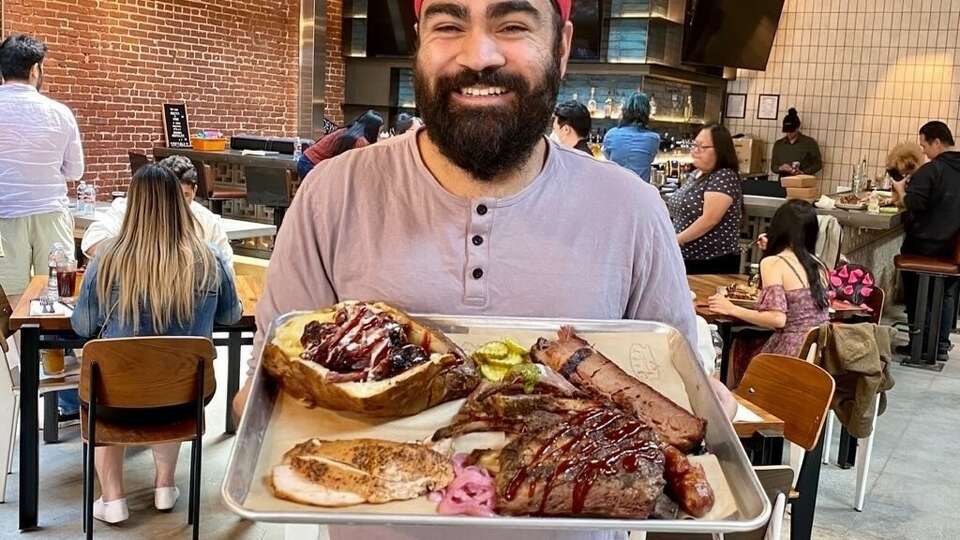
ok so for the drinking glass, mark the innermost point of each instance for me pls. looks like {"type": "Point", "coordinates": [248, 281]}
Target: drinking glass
{"type": "Point", "coordinates": [67, 279]}
{"type": "Point", "coordinates": [52, 360]}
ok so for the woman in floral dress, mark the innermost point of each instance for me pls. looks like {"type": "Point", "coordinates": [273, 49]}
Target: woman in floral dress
{"type": "Point", "coordinates": [793, 298]}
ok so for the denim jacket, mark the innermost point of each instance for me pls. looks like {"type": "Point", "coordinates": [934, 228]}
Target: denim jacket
{"type": "Point", "coordinates": [218, 305]}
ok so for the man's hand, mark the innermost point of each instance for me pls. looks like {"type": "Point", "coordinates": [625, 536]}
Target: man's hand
{"type": "Point", "coordinates": [786, 168]}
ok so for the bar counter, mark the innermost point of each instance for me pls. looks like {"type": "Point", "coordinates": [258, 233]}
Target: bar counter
{"type": "Point", "coordinates": [263, 201]}
{"type": "Point", "coordinates": [872, 240]}
{"type": "Point", "coordinates": [231, 157]}
{"type": "Point", "coordinates": [765, 207]}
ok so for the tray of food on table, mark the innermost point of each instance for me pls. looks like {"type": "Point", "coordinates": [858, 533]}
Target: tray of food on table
{"type": "Point", "coordinates": [851, 201]}
{"type": "Point", "coordinates": [743, 294]}
{"type": "Point", "coordinates": [362, 414]}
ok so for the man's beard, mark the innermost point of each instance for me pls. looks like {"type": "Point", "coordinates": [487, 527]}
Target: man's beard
{"type": "Point", "coordinates": [487, 141]}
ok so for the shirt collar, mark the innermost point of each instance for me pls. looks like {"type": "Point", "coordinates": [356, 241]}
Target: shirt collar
{"type": "Point", "coordinates": [18, 87]}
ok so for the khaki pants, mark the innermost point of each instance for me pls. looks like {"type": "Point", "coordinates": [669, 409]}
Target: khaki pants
{"type": "Point", "coordinates": [26, 243]}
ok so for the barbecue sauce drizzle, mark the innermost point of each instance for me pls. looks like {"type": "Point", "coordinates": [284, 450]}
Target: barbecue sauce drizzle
{"type": "Point", "coordinates": [379, 347]}
{"type": "Point", "coordinates": [577, 455]}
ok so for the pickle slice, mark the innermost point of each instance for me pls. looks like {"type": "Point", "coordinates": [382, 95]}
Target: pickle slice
{"type": "Point", "coordinates": [493, 372]}
{"type": "Point", "coordinates": [493, 350]}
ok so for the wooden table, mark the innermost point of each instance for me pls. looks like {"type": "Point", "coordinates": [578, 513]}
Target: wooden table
{"type": "Point", "coordinates": [705, 286]}
{"type": "Point", "coordinates": [55, 332]}
{"type": "Point", "coordinates": [768, 422]}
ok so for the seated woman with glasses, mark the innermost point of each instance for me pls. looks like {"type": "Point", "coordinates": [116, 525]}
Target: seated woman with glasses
{"type": "Point", "coordinates": [707, 210]}
{"type": "Point", "coordinates": [155, 278]}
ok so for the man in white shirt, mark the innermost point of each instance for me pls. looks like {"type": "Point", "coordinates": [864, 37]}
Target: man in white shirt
{"type": "Point", "coordinates": [40, 152]}
{"type": "Point", "coordinates": [108, 223]}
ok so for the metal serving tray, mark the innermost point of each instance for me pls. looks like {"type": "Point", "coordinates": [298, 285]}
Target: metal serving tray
{"type": "Point", "coordinates": [752, 508]}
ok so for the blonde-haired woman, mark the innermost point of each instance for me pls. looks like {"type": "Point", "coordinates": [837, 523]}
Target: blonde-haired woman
{"type": "Point", "coordinates": [157, 277]}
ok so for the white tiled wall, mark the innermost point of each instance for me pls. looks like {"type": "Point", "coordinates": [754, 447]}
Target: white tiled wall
{"type": "Point", "coordinates": [863, 75]}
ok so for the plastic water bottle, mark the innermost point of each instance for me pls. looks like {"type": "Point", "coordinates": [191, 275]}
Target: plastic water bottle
{"type": "Point", "coordinates": [81, 194]}
{"type": "Point", "coordinates": [297, 149]}
{"type": "Point", "coordinates": [91, 198]}
{"type": "Point", "coordinates": [58, 254]}
{"type": "Point", "coordinates": [717, 348]}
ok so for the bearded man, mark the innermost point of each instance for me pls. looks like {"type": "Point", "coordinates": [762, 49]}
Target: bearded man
{"type": "Point", "coordinates": [478, 213]}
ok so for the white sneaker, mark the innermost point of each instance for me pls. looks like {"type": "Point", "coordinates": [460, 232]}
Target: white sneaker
{"type": "Point", "coordinates": [165, 498]}
{"type": "Point", "coordinates": [112, 511]}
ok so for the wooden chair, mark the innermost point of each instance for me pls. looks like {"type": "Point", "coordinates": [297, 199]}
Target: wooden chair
{"type": "Point", "coordinates": [137, 375]}
{"type": "Point", "coordinates": [10, 393]}
{"type": "Point", "coordinates": [876, 302]}
{"type": "Point", "coordinates": [799, 393]}
{"type": "Point", "coordinates": [207, 189]}
{"type": "Point", "coordinates": [137, 160]}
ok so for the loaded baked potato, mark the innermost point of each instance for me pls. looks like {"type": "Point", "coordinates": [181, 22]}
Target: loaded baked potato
{"type": "Point", "coordinates": [367, 358]}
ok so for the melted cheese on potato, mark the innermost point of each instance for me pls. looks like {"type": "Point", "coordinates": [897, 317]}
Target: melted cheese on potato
{"type": "Point", "coordinates": [287, 337]}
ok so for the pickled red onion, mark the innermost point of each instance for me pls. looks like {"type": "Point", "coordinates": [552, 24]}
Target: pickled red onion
{"type": "Point", "coordinates": [471, 493]}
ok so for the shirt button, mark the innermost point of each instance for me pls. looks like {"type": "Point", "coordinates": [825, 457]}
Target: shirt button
{"type": "Point", "coordinates": [482, 209]}
{"type": "Point", "coordinates": [477, 240]}
{"type": "Point", "coordinates": [477, 273]}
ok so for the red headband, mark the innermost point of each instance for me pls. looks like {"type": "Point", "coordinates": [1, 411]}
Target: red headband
{"type": "Point", "coordinates": [564, 5]}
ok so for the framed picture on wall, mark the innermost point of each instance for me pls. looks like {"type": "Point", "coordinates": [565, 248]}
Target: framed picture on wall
{"type": "Point", "coordinates": [768, 107]}
{"type": "Point", "coordinates": [736, 106]}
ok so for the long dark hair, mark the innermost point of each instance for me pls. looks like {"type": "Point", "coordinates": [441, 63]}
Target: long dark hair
{"type": "Point", "coordinates": [723, 146]}
{"type": "Point", "coordinates": [367, 125]}
{"type": "Point", "coordinates": [636, 111]}
{"type": "Point", "coordinates": [795, 226]}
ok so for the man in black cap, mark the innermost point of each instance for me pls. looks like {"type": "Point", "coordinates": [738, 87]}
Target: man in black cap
{"type": "Point", "coordinates": [795, 153]}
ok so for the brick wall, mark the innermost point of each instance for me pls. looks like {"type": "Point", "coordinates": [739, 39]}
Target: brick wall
{"type": "Point", "coordinates": [233, 62]}
{"type": "Point", "coordinates": [336, 68]}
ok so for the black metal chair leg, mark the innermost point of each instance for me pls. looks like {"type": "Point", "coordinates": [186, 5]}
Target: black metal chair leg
{"type": "Point", "coordinates": [91, 451]}
{"type": "Point", "coordinates": [85, 480]}
{"type": "Point", "coordinates": [920, 320]}
{"type": "Point", "coordinates": [936, 315]}
{"type": "Point", "coordinates": [808, 482]}
{"type": "Point", "coordinates": [847, 452]}
{"type": "Point", "coordinates": [196, 455]}
{"type": "Point", "coordinates": [195, 488]}
{"type": "Point", "coordinates": [193, 477]}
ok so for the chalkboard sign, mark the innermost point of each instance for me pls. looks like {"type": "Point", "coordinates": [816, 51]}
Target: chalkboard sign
{"type": "Point", "coordinates": [175, 126]}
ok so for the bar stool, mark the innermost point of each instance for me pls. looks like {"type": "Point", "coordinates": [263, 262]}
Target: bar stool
{"type": "Point", "coordinates": [938, 270]}
{"type": "Point", "coordinates": [207, 189]}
